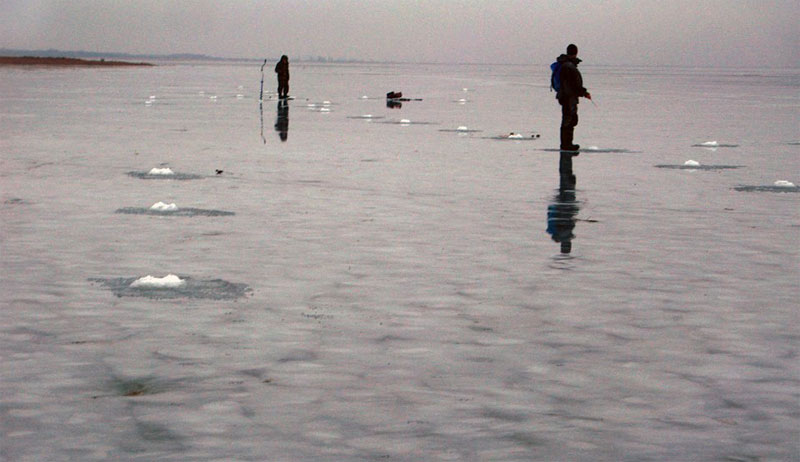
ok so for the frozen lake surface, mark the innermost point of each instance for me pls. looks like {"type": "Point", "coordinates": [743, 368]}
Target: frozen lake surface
{"type": "Point", "coordinates": [391, 290]}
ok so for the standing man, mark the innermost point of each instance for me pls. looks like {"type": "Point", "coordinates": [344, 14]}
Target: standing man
{"type": "Point", "coordinates": [282, 69]}
{"type": "Point", "coordinates": [570, 89]}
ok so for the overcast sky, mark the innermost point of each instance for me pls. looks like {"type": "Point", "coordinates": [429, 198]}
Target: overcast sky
{"type": "Point", "coordinates": [639, 32]}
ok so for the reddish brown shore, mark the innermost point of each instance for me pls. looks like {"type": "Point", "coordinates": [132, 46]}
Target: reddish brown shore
{"type": "Point", "coordinates": [37, 61]}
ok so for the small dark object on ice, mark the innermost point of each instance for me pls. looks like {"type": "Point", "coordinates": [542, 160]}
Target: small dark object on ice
{"type": "Point", "coordinates": [398, 96]}
{"type": "Point", "coordinates": [219, 172]}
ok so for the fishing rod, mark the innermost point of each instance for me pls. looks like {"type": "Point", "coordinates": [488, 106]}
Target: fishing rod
{"type": "Point", "coordinates": [261, 93]}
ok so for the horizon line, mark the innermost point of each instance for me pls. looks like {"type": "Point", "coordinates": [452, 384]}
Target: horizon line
{"type": "Point", "coordinates": [51, 52]}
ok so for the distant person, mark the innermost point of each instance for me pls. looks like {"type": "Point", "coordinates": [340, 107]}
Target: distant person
{"type": "Point", "coordinates": [570, 88]}
{"type": "Point", "coordinates": [282, 69]}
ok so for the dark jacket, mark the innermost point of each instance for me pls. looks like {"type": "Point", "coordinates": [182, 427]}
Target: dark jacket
{"type": "Point", "coordinates": [571, 79]}
{"type": "Point", "coordinates": [282, 68]}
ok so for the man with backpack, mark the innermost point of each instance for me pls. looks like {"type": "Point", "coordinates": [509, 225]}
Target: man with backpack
{"type": "Point", "coordinates": [566, 79]}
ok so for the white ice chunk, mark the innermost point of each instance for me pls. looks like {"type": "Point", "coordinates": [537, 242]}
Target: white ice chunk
{"type": "Point", "coordinates": [326, 103]}
{"type": "Point", "coordinates": [462, 128]}
{"type": "Point", "coordinates": [324, 110]}
{"type": "Point", "coordinates": [691, 163]}
{"type": "Point", "coordinates": [462, 100]}
{"type": "Point", "coordinates": [162, 207]}
{"type": "Point", "coordinates": [784, 184]}
{"type": "Point", "coordinates": [515, 136]}
{"type": "Point", "coordinates": [365, 97]}
{"type": "Point", "coordinates": [465, 89]}
{"type": "Point", "coordinates": [213, 97]}
{"type": "Point", "coordinates": [367, 116]}
{"type": "Point", "coordinates": [169, 281]}
{"type": "Point", "coordinates": [152, 96]}
{"type": "Point", "coordinates": [239, 96]}
{"type": "Point", "coordinates": [593, 148]}
{"type": "Point", "coordinates": [161, 171]}
{"type": "Point", "coordinates": [405, 121]}
{"type": "Point", "coordinates": [710, 144]}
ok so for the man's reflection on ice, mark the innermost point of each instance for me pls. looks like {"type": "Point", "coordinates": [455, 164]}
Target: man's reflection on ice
{"type": "Point", "coordinates": [562, 212]}
{"type": "Point", "coordinates": [282, 120]}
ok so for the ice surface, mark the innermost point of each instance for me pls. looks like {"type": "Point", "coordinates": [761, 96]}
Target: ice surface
{"type": "Point", "coordinates": [406, 300]}
{"type": "Point", "coordinates": [164, 207]}
{"type": "Point", "coordinates": [161, 171]}
{"type": "Point", "coordinates": [169, 281]}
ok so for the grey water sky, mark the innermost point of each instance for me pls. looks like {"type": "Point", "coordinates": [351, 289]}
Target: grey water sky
{"type": "Point", "coordinates": [615, 32]}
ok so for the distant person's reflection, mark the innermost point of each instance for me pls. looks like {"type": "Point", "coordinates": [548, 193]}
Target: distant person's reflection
{"type": "Point", "coordinates": [392, 104]}
{"type": "Point", "coordinates": [282, 120]}
{"type": "Point", "coordinates": [562, 211]}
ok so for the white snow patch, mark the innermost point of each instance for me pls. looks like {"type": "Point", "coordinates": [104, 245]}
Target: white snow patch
{"type": "Point", "coordinates": [710, 144]}
{"type": "Point", "coordinates": [405, 121]}
{"type": "Point", "coordinates": [784, 184]}
{"type": "Point", "coordinates": [691, 163]}
{"type": "Point", "coordinates": [169, 281]}
{"type": "Point", "coordinates": [365, 97]}
{"type": "Point", "coordinates": [162, 207]}
{"type": "Point", "coordinates": [161, 171]}
{"type": "Point", "coordinates": [515, 136]}
{"type": "Point", "coordinates": [462, 128]}
{"type": "Point", "coordinates": [593, 148]}
{"type": "Point", "coordinates": [367, 116]}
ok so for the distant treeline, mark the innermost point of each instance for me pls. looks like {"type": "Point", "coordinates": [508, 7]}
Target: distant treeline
{"type": "Point", "coordinates": [62, 61]}
{"type": "Point", "coordinates": [52, 53]}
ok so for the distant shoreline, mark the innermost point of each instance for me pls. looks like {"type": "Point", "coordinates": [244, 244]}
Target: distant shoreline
{"type": "Point", "coordinates": [62, 62]}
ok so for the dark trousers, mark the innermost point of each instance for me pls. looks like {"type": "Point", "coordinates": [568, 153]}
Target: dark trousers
{"type": "Point", "coordinates": [569, 119]}
{"type": "Point", "coordinates": [283, 88]}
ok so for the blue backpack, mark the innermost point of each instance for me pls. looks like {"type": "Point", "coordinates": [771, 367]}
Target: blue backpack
{"type": "Point", "coordinates": [555, 76]}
